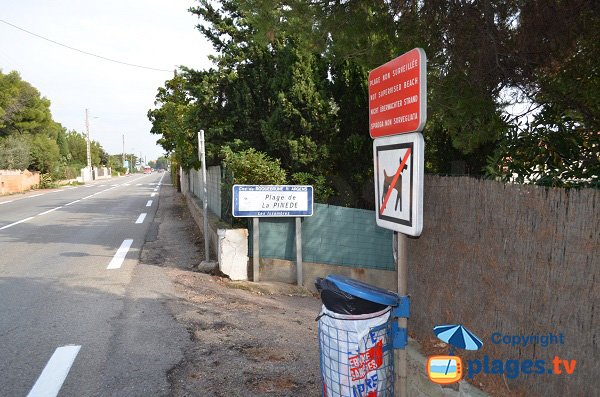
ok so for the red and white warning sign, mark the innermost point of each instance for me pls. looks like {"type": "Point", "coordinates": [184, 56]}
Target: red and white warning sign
{"type": "Point", "coordinates": [399, 174]}
{"type": "Point", "coordinates": [398, 95]}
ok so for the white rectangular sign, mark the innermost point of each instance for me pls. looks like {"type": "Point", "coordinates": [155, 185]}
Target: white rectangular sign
{"type": "Point", "coordinates": [399, 174]}
{"type": "Point", "coordinates": [272, 201]}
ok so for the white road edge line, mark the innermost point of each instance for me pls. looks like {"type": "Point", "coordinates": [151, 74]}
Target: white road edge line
{"type": "Point", "coordinates": [141, 218]}
{"type": "Point", "coordinates": [6, 202]}
{"type": "Point", "coordinates": [149, 203]}
{"type": "Point", "coordinates": [72, 202]}
{"type": "Point", "coordinates": [153, 194]}
{"type": "Point", "coordinates": [36, 195]}
{"type": "Point", "coordinates": [55, 372]}
{"type": "Point", "coordinates": [119, 257]}
{"type": "Point", "coordinates": [49, 211]}
{"type": "Point", "coordinates": [16, 223]}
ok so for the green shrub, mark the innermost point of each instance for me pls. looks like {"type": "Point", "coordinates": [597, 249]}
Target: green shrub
{"type": "Point", "coordinates": [251, 167]}
{"type": "Point", "coordinates": [321, 188]}
{"type": "Point", "coordinates": [46, 182]}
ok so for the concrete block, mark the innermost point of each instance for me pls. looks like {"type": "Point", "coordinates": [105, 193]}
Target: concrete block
{"type": "Point", "coordinates": [232, 251]}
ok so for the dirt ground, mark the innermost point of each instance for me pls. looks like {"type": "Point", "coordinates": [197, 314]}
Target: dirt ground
{"type": "Point", "coordinates": [246, 339]}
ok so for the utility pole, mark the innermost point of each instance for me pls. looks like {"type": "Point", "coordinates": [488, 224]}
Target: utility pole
{"type": "Point", "coordinates": [87, 130]}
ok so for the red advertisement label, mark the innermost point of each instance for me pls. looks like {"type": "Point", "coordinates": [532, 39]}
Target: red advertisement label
{"type": "Point", "coordinates": [398, 95]}
{"type": "Point", "coordinates": [366, 362]}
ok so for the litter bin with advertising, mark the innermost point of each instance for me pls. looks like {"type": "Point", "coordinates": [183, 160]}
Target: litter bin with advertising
{"type": "Point", "coordinates": [358, 333]}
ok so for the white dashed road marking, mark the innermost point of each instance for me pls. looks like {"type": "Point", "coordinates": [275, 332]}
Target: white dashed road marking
{"type": "Point", "coordinates": [141, 218]}
{"type": "Point", "coordinates": [119, 257]}
{"type": "Point", "coordinates": [16, 223]}
{"type": "Point", "coordinates": [49, 211]}
{"type": "Point", "coordinates": [55, 372]}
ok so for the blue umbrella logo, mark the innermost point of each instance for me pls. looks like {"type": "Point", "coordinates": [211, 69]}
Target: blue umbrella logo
{"type": "Point", "coordinates": [457, 336]}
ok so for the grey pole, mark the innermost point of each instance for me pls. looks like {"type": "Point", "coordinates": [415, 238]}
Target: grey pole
{"type": "Point", "coordinates": [255, 249]}
{"type": "Point", "coordinates": [202, 155]}
{"type": "Point", "coordinates": [87, 150]}
{"type": "Point", "coordinates": [400, 385]}
{"type": "Point", "coordinates": [299, 279]}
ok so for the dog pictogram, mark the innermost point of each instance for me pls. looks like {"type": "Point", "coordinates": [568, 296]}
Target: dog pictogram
{"type": "Point", "coordinates": [387, 185]}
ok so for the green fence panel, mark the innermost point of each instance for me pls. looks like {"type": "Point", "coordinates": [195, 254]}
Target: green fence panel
{"type": "Point", "coordinates": [333, 235]}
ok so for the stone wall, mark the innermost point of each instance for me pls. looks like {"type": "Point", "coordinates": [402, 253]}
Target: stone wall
{"type": "Point", "coordinates": [15, 181]}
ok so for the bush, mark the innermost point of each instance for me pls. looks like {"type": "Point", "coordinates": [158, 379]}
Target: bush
{"type": "Point", "coordinates": [322, 190]}
{"type": "Point", "coordinates": [14, 153]}
{"type": "Point", "coordinates": [46, 182]}
{"type": "Point", "coordinates": [247, 167]}
{"type": "Point", "coordinates": [250, 167]}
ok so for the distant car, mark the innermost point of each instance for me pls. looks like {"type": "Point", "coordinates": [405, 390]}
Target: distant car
{"type": "Point", "coordinates": [147, 170]}
{"type": "Point", "coordinates": [160, 170]}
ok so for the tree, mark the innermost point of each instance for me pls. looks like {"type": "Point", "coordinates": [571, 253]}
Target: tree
{"type": "Point", "coordinates": [559, 144]}
{"type": "Point", "coordinates": [77, 148]}
{"type": "Point", "coordinates": [26, 125]}
{"type": "Point", "coordinates": [45, 154]}
{"type": "Point", "coordinates": [273, 97]}
{"type": "Point", "coordinates": [162, 163]}
{"type": "Point", "coordinates": [290, 81]}
{"type": "Point", "coordinates": [478, 54]}
{"type": "Point", "coordinates": [14, 153]}
{"type": "Point", "coordinates": [171, 120]}
{"type": "Point", "coordinates": [22, 109]}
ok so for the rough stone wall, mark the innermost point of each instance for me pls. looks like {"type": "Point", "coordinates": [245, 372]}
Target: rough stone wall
{"type": "Point", "coordinates": [15, 181]}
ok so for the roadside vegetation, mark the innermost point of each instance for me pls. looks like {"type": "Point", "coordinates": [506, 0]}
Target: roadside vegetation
{"type": "Point", "coordinates": [31, 139]}
{"type": "Point", "coordinates": [513, 90]}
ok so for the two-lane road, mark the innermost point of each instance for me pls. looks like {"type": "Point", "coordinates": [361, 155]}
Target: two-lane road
{"type": "Point", "coordinates": [74, 316]}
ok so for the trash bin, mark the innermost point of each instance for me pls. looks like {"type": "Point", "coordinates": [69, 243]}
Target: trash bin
{"type": "Point", "coordinates": [356, 338]}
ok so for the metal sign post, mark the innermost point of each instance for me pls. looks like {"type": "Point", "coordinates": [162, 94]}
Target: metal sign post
{"type": "Point", "coordinates": [397, 114]}
{"type": "Point", "coordinates": [202, 156]}
{"type": "Point", "coordinates": [400, 384]}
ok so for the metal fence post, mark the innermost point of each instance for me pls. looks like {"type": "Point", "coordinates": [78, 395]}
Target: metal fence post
{"type": "Point", "coordinates": [255, 249]}
{"type": "Point", "coordinates": [299, 279]}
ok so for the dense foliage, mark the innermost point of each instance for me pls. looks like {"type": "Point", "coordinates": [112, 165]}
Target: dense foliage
{"type": "Point", "coordinates": [289, 80]}
{"type": "Point", "coordinates": [31, 139]}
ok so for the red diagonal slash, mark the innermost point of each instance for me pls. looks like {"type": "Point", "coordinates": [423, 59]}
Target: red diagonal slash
{"type": "Point", "coordinates": [389, 193]}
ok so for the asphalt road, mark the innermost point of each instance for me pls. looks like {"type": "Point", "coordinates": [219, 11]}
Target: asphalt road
{"type": "Point", "coordinates": [79, 316]}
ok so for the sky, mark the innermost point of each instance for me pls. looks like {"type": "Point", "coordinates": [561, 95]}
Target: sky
{"type": "Point", "coordinates": [158, 34]}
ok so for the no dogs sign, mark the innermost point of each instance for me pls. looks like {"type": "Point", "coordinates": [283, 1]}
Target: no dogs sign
{"type": "Point", "coordinates": [399, 162]}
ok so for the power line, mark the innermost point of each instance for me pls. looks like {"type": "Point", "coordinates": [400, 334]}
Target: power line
{"type": "Point", "coordinates": [84, 52]}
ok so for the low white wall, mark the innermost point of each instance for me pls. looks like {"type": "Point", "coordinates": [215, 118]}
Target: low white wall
{"type": "Point", "coordinates": [228, 246]}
